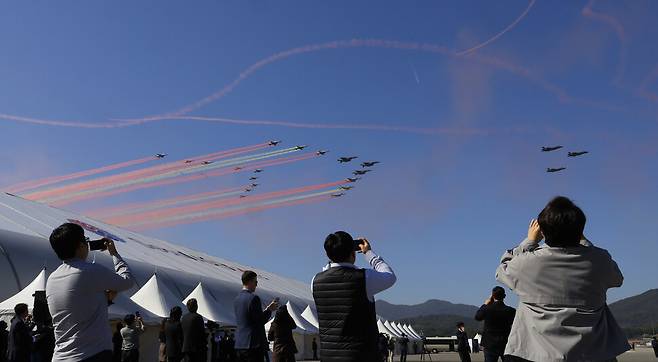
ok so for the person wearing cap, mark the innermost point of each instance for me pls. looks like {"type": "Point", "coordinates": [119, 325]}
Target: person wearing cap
{"type": "Point", "coordinates": [498, 319]}
{"type": "Point", "coordinates": [345, 299]}
{"type": "Point", "coordinates": [463, 348]}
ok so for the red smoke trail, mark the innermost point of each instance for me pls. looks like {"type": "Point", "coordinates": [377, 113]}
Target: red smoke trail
{"type": "Point", "coordinates": [619, 31]}
{"type": "Point", "coordinates": [127, 208]}
{"type": "Point", "coordinates": [169, 212]}
{"type": "Point", "coordinates": [495, 37]}
{"type": "Point", "coordinates": [218, 216]}
{"type": "Point", "coordinates": [133, 175]}
{"type": "Point", "coordinates": [222, 172]}
{"type": "Point", "coordinates": [28, 185]}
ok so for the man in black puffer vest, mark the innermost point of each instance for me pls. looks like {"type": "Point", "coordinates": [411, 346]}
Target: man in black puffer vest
{"type": "Point", "coordinates": [345, 300]}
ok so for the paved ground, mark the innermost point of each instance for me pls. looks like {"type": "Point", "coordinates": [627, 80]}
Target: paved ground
{"type": "Point", "coordinates": [639, 355]}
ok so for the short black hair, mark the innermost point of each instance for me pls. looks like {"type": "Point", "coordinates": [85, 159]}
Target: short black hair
{"type": "Point", "coordinates": [129, 319]}
{"type": "Point", "coordinates": [498, 293]}
{"type": "Point", "coordinates": [176, 313]}
{"type": "Point", "coordinates": [460, 324]}
{"type": "Point", "coordinates": [562, 222]}
{"type": "Point", "coordinates": [3, 326]}
{"type": "Point", "coordinates": [339, 246]}
{"type": "Point", "coordinates": [192, 305]}
{"type": "Point", "coordinates": [248, 276]}
{"type": "Point", "coordinates": [65, 239]}
{"type": "Point", "coordinates": [20, 309]}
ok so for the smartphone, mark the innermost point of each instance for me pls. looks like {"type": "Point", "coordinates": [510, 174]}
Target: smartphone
{"type": "Point", "coordinates": [97, 244]}
{"type": "Point", "coordinates": [357, 244]}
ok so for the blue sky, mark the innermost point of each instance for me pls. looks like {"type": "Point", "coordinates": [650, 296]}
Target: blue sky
{"type": "Point", "coordinates": [441, 208]}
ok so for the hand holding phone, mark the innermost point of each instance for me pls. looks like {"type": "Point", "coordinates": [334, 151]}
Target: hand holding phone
{"type": "Point", "coordinates": [97, 245]}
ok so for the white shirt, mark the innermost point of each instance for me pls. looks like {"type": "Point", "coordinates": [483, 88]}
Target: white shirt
{"type": "Point", "coordinates": [378, 279]}
{"type": "Point", "coordinates": [78, 304]}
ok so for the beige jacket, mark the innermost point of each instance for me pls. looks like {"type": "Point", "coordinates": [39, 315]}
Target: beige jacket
{"type": "Point", "coordinates": [562, 313]}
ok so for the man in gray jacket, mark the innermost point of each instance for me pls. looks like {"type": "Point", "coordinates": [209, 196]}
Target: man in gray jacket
{"type": "Point", "coordinates": [77, 297]}
{"type": "Point", "coordinates": [562, 313]}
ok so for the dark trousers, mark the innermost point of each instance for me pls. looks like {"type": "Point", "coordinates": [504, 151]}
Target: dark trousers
{"type": "Point", "coordinates": [251, 355]}
{"type": "Point", "coordinates": [493, 356]}
{"type": "Point", "coordinates": [105, 356]}
{"type": "Point", "coordinates": [283, 357]}
{"type": "Point", "coordinates": [130, 356]}
{"type": "Point", "coordinates": [403, 356]}
{"type": "Point", "coordinates": [464, 356]}
{"type": "Point", "coordinates": [315, 354]}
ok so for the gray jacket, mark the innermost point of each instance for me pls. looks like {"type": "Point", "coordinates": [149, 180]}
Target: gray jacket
{"type": "Point", "coordinates": [562, 313]}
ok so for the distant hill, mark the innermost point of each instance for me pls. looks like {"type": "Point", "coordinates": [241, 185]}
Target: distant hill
{"type": "Point", "coordinates": [637, 314]}
{"type": "Point", "coordinates": [442, 325]}
{"type": "Point", "coordinates": [432, 307]}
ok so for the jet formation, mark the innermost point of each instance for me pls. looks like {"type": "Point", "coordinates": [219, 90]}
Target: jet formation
{"type": "Point", "coordinates": [569, 154]}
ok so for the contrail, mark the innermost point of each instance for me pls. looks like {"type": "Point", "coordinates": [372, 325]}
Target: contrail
{"type": "Point", "coordinates": [170, 174]}
{"type": "Point", "coordinates": [413, 69]}
{"type": "Point", "coordinates": [495, 37]}
{"type": "Point", "coordinates": [523, 72]}
{"type": "Point", "coordinates": [172, 212]}
{"type": "Point", "coordinates": [30, 185]}
{"type": "Point", "coordinates": [218, 213]}
{"type": "Point", "coordinates": [174, 201]}
{"type": "Point", "coordinates": [619, 31]}
{"type": "Point", "coordinates": [115, 179]}
{"type": "Point", "coordinates": [177, 180]}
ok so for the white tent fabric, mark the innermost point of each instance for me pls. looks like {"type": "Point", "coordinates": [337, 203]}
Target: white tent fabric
{"type": "Point", "coordinates": [393, 331]}
{"type": "Point", "coordinates": [310, 316]}
{"type": "Point", "coordinates": [408, 332]}
{"type": "Point", "coordinates": [123, 306]}
{"type": "Point", "coordinates": [408, 328]}
{"type": "Point", "coordinates": [416, 333]}
{"type": "Point", "coordinates": [25, 295]}
{"type": "Point", "coordinates": [395, 327]}
{"type": "Point", "coordinates": [302, 324]}
{"type": "Point", "coordinates": [209, 307]}
{"type": "Point", "coordinates": [155, 297]}
{"type": "Point", "coordinates": [382, 328]}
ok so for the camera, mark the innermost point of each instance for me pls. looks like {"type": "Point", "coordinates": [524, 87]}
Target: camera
{"type": "Point", "coordinates": [357, 244]}
{"type": "Point", "coordinates": [97, 244]}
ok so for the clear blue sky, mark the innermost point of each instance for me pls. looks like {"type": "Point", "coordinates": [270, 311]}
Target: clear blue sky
{"type": "Point", "coordinates": [440, 208]}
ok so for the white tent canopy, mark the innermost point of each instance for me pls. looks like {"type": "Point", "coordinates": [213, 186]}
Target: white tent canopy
{"type": "Point", "coordinates": [382, 328]}
{"type": "Point", "coordinates": [395, 327]}
{"type": "Point", "coordinates": [26, 295]}
{"type": "Point", "coordinates": [416, 333]}
{"type": "Point", "coordinates": [123, 306]}
{"type": "Point", "coordinates": [310, 316]}
{"type": "Point", "coordinates": [408, 332]}
{"type": "Point", "coordinates": [302, 324]}
{"type": "Point", "coordinates": [406, 328]}
{"type": "Point", "coordinates": [156, 297]}
{"type": "Point", "coordinates": [393, 331]}
{"type": "Point", "coordinates": [209, 307]}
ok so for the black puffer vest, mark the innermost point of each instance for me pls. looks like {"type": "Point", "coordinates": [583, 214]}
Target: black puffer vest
{"type": "Point", "coordinates": [348, 324]}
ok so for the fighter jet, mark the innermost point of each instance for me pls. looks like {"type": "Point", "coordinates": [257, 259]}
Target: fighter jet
{"type": "Point", "coordinates": [576, 154]}
{"type": "Point", "coordinates": [243, 196]}
{"type": "Point", "coordinates": [555, 169]}
{"type": "Point", "coordinates": [360, 172]}
{"type": "Point", "coordinates": [258, 170]}
{"type": "Point", "coordinates": [346, 159]}
{"type": "Point", "coordinates": [338, 195]}
{"type": "Point", "coordinates": [299, 148]}
{"type": "Point", "coordinates": [549, 149]}
{"type": "Point", "coordinates": [253, 185]}
{"type": "Point", "coordinates": [345, 188]}
{"type": "Point", "coordinates": [160, 155]}
{"type": "Point", "coordinates": [248, 189]}
{"type": "Point", "coordinates": [238, 168]}
{"type": "Point", "coordinates": [252, 178]}
{"type": "Point", "coordinates": [274, 143]}
{"type": "Point", "coordinates": [207, 162]}
{"type": "Point", "coordinates": [352, 179]}
{"type": "Point", "coordinates": [189, 161]}
{"type": "Point", "coordinates": [369, 164]}
{"type": "Point", "coordinates": [321, 152]}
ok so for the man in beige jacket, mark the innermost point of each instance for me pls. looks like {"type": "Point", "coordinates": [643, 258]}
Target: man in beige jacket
{"type": "Point", "coordinates": [562, 313]}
